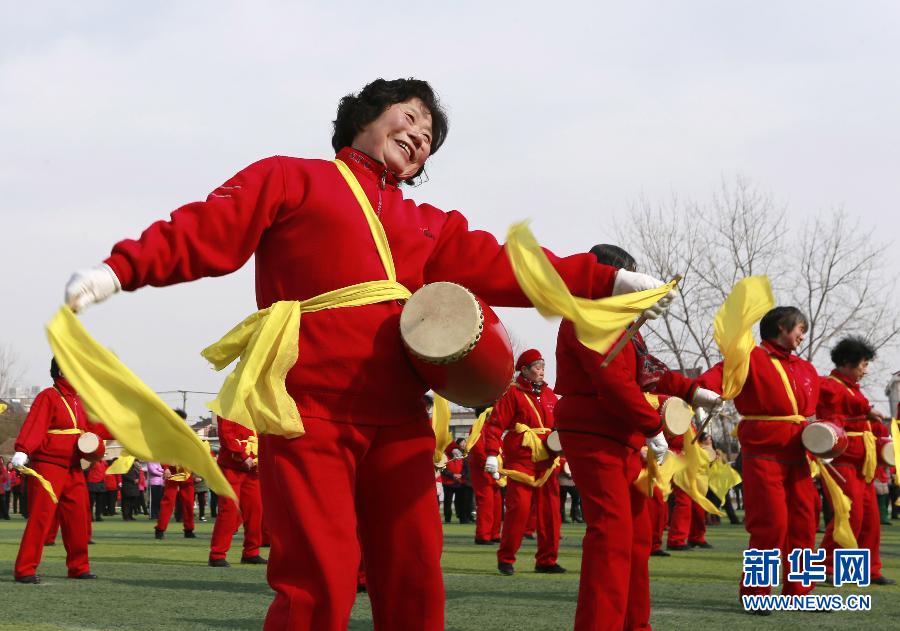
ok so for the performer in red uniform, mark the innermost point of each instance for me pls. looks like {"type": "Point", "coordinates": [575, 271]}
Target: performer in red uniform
{"type": "Point", "coordinates": [659, 518]}
{"type": "Point", "coordinates": [687, 519]}
{"type": "Point", "coordinates": [525, 413]}
{"type": "Point", "coordinates": [780, 392]}
{"type": "Point", "coordinates": [47, 442]}
{"type": "Point", "coordinates": [179, 484]}
{"type": "Point", "coordinates": [841, 401]}
{"type": "Point", "coordinates": [488, 499]}
{"type": "Point", "coordinates": [368, 445]}
{"type": "Point", "coordinates": [238, 453]}
{"type": "Point", "coordinates": [604, 420]}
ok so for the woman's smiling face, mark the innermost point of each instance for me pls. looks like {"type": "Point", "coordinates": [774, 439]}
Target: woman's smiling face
{"type": "Point", "coordinates": [400, 138]}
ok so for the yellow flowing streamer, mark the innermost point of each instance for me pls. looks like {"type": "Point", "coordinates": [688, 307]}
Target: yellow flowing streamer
{"type": "Point", "coordinates": [530, 480]}
{"type": "Point", "coordinates": [659, 475]}
{"type": "Point", "coordinates": [749, 300]}
{"type": "Point", "coordinates": [598, 323]}
{"type": "Point", "coordinates": [181, 474]}
{"type": "Point", "coordinates": [3, 407]}
{"type": "Point", "coordinates": [843, 532]}
{"type": "Point", "coordinates": [142, 422]}
{"type": "Point", "coordinates": [440, 423]}
{"type": "Point", "coordinates": [870, 463]}
{"type": "Point", "coordinates": [692, 479]}
{"type": "Point", "coordinates": [475, 432]}
{"type": "Point", "coordinates": [41, 480]}
{"type": "Point", "coordinates": [267, 342]}
{"type": "Point", "coordinates": [122, 464]}
{"type": "Point", "coordinates": [722, 478]}
{"type": "Point", "coordinates": [895, 439]}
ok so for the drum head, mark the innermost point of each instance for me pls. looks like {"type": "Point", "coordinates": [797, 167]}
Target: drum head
{"type": "Point", "coordinates": [887, 454]}
{"type": "Point", "coordinates": [553, 442]}
{"type": "Point", "coordinates": [441, 322]}
{"type": "Point", "coordinates": [819, 438]}
{"type": "Point", "coordinates": [88, 443]}
{"type": "Point", "coordinates": [676, 416]}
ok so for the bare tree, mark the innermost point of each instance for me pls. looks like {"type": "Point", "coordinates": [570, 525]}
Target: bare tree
{"type": "Point", "coordinates": [11, 368]}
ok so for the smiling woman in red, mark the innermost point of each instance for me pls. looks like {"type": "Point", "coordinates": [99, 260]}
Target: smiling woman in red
{"type": "Point", "coordinates": [364, 464]}
{"type": "Point", "coordinates": [841, 401]}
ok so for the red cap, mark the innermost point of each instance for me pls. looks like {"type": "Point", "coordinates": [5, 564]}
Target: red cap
{"type": "Point", "coordinates": [527, 358]}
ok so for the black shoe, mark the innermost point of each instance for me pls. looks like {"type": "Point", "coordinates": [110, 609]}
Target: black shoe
{"type": "Point", "coordinates": [506, 569]}
{"type": "Point", "coordinates": [361, 588]}
{"type": "Point", "coordinates": [189, 534]}
{"type": "Point", "coordinates": [91, 542]}
{"type": "Point", "coordinates": [556, 568]}
{"type": "Point", "coordinates": [683, 548]}
{"type": "Point", "coordinates": [483, 542]}
{"type": "Point", "coordinates": [85, 576]}
{"type": "Point", "coordinates": [703, 545]}
{"type": "Point", "coordinates": [257, 560]}
{"type": "Point", "coordinates": [660, 553]}
{"type": "Point", "coordinates": [497, 540]}
{"type": "Point", "coordinates": [219, 563]}
{"type": "Point", "coordinates": [32, 579]}
{"type": "Point", "coordinates": [98, 519]}
{"type": "Point", "coordinates": [529, 537]}
{"type": "Point", "coordinates": [159, 534]}
{"type": "Point", "coordinates": [883, 580]}
{"type": "Point", "coordinates": [564, 520]}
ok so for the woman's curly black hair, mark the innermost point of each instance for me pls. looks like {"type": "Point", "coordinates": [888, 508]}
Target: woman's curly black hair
{"type": "Point", "coordinates": [355, 111]}
{"type": "Point", "coordinates": [781, 318]}
{"type": "Point", "coordinates": [852, 351]}
{"type": "Point", "coordinates": [614, 256]}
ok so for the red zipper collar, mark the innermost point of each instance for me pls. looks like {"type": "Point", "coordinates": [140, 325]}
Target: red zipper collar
{"type": "Point", "coordinates": [360, 163]}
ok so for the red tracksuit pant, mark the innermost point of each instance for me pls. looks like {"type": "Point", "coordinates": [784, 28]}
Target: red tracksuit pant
{"type": "Point", "coordinates": [519, 498]}
{"type": "Point", "coordinates": [73, 512]}
{"type": "Point", "coordinates": [659, 516]}
{"type": "Point", "coordinates": [249, 510]}
{"type": "Point", "coordinates": [614, 591]}
{"type": "Point", "coordinates": [339, 488]}
{"type": "Point", "coordinates": [185, 492]}
{"type": "Point", "coordinates": [687, 523]}
{"type": "Point", "coordinates": [779, 512]}
{"type": "Point", "coordinates": [865, 520]}
{"type": "Point", "coordinates": [488, 501]}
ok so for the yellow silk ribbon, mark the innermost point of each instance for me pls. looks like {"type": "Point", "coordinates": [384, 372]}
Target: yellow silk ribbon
{"type": "Point", "coordinates": [871, 461]}
{"type": "Point", "coordinates": [267, 342]}
{"type": "Point", "coordinates": [531, 438]}
{"type": "Point", "coordinates": [182, 474]}
{"type": "Point", "coordinates": [65, 432]}
{"type": "Point", "coordinates": [722, 478]}
{"type": "Point", "coordinates": [530, 480]}
{"type": "Point", "coordinates": [440, 423]}
{"type": "Point", "coordinates": [693, 478]}
{"type": "Point", "coordinates": [142, 422]}
{"type": "Point", "coordinates": [843, 532]}
{"type": "Point", "coordinates": [3, 407]}
{"type": "Point", "coordinates": [475, 432]}
{"type": "Point", "coordinates": [251, 445]}
{"type": "Point", "coordinates": [598, 323]}
{"type": "Point", "coordinates": [122, 464]}
{"type": "Point", "coordinates": [41, 480]}
{"type": "Point", "coordinates": [659, 475]}
{"type": "Point", "coordinates": [748, 301]}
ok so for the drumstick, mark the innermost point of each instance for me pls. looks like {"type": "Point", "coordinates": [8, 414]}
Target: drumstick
{"type": "Point", "coordinates": [717, 411]}
{"type": "Point", "coordinates": [630, 332]}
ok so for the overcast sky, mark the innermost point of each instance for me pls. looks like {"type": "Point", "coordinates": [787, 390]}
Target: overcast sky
{"type": "Point", "coordinates": [112, 115]}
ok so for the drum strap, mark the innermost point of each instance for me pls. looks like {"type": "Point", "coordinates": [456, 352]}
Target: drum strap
{"type": "Point", "coordinates": [74, 429]}
{"type": "Point", "coordinates": [849, 389]}
{"type": "Point", "coordinates": [267, 342]}
{"type": "Point", "coordinates": [871, 461]}
{"type": "Point", "coordinates": [789, 391]}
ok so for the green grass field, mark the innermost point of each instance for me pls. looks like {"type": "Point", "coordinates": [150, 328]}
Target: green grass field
{"type": "Point", "coordinates": [160, 585]}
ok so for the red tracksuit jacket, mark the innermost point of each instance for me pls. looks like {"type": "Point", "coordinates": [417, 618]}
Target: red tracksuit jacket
{"type": "Point", "coordinates": [608, 401]}
{"type": "Point", "coordinates": [764, 395]}
{"type": "Point", "coordinates": [49, 412]}
{"type": "Point", "coordinates": [841, 401]}
{"type": "Point", "coordinates": [512, 408]}
{"type": "Point", "coordinates": [233, 448]}
{"type": "Point", "coordinates": [309, 236]}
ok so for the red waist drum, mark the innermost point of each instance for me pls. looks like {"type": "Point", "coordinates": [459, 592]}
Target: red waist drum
{"type": "Point", "coordinates": [825, 439]}
{"type": "Point", "coordinates": [91, 447]}
{"type": "Point", "coordinates": [457, 344]}
{"type": "Point", "coordinates": [885, 451]}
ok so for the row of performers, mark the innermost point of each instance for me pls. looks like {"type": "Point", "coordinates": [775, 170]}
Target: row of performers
{"type": "Point", "coordinates": [603, 421]}
{"type": "Point", "coordinates": [48, 453]}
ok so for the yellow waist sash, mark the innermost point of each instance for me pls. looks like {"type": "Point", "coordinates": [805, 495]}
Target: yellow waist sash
{"type": "Point", "coordinates": [267, 342]}
{"type": "Point", "coordinates": [531, 438]}
{"type": "Point", "coordinates": [530, 480]}
{"type": "Point", "coordinates": [71, 430]}
{"type": "Point", "coordinates": [793, 418]}
{"type": "Point", "coordinates": [871, 461]}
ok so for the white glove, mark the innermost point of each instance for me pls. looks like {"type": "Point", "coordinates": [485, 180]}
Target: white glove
{"type": "Point", "coordinates": [87, 286]}
{"type": "Point", "coordinates": [659, 447]}
{"type": "Point", "coordinates": [826, 460]}
{"type": "Point", "coordinates": [706, 399]}
{"type": "Point", "coordinates": [492, 466]}
{"type": "Point", "coordinates": [627, 282]}
{"type": "Point", "coordinates": [19, 459]}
